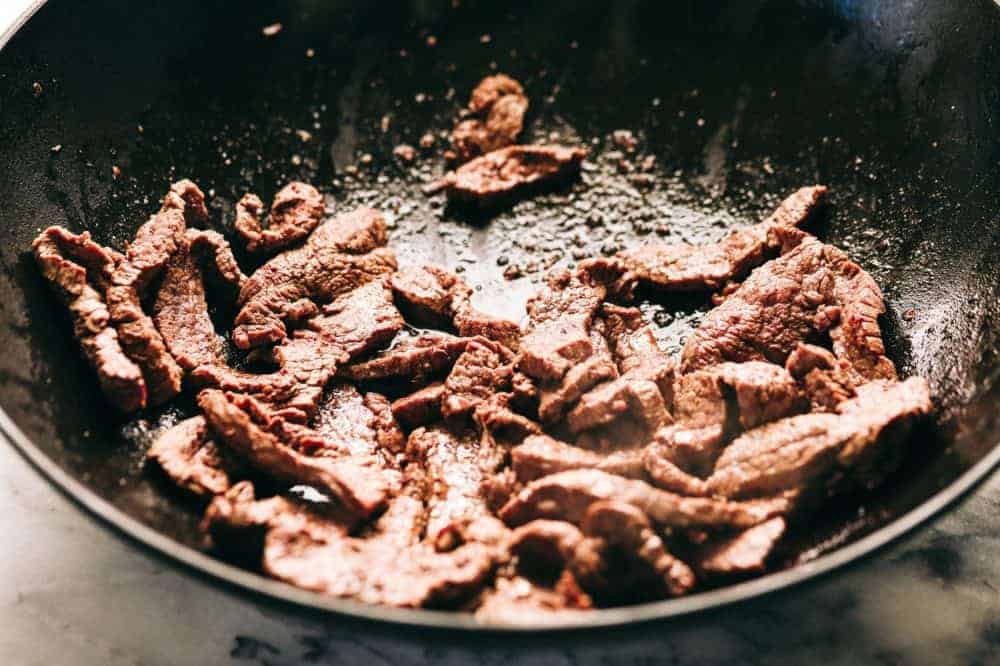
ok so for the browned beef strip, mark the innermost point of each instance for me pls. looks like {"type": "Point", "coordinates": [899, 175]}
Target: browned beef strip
{"type": "Point", "coordinates": [483, 369]}
{"type": "Point", "coordinates": [541, 455]}
{"type": "Point", "coordinates": [180, 312]}
{"type": "Point", "coordinates": [297, 209]}
{"type": "Point", "coordinates": [545, 546]}
{"type": "Point", "coordinates": [707, 267]}
{"type": "Point", "coordinates": [419, 358]}
{"type": "Point", "coordinates": [388, 433]}
{"type": "Point", "coordinates": [813, 288]}
{"type": "Point", "coordinates": [556, 398]}
{"type": "Point", "coordinates": [560, 316]}
{"type": "Point", "coordinates": [421, 407]}
{"type": "Point", "coordinates": [496, 417]}
{"type": "Point", "coordinates": [568, 495]}
{"type": "Point", "coordinates": [502, 173]}
{"type": "Point", "coordinates": [500, 101]}
{"type": "Point", "coordinates": [217, 254]}
{"type": "Point", "coordinates": [744, 553]}
{"type": "Point", "coordinates": [798, 452]}
{"type": "Point", "coordinates": [359, 484]}
{"type": "Point", "coordinates": [825, 380]}
{"type": "Point", "coordinates": [518, 601]}
{"type": "Point", "coordinates": [189, 457]}
{"type": "Point", "coordinates": [57, 252]}
{"type": "Point", "coordinates": [347, 418]}
{"type": "Point", "coordinates": [628, 530]}
{"type": "Point", "coordinates": [455, 466]}
{"type": "Point", "coordinates": [342, 254]}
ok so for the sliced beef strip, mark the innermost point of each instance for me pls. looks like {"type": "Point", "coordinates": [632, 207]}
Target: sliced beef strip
{"type": "Point", "coordinates": [189, 457]}
{"type": "Point", "coordinates": [214, 250]}
{"type": "Point", "coordinates": [180, 313]}
{"type": "Point", "coordinates": [519, 601]}
{"type": "Point", "coordinates": [495, 176]}
{"type": "Point", "coordinates": [347, 418]}
{"type": "Point", "coordinates": [501, 104]}
{"type": "Point", "coordinates": [434, 297]}
{"type": "Point", "coordinates": [455, 466]}
{"type": "Point", "coordinates": [812, 289]}
{"type": "Point", "coordinates": [710, 407]}
{"type": "Point", "coordinates": [57, 252]}
{"type": "Point", "coordinates": [555, 398]}
{"type": "Point", "coordinates": [744, 553]}
{"type": "Point", "coordinates": [342, 254]}
{"type": "Point", "coordinates": [496, 416]}
{"type": "Point", "coordinates": [558, 335]}
{"type": "Point", "coordinates": [361, 485]}
{"type": "Point", "coordinates": [651, 573]}
{"type": "Point", "coordinates": [545, 547]}
{"type": "Point", "coordinates": [801, 451]}
{"type": "Point", "coordinates": [421, 407]}
{"type": "Point", "coordinates": [825, 380]}
{"type": "Point", "coordinates": [568, 495]}
{"type": "Point", "coordinates": [419, 359]}
{"type": "Point", "coordinates": [297, 209]}
{"type": "Point", "coordinates": [708, 267]}
{"type": "Point", "coordinates": [388, 433]}
{"type": "Point", "coordinates": [541, 455]}
{"type": "Point", "coordinates": [483, 369]}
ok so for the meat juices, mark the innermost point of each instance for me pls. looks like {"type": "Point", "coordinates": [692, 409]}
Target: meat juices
{"type": "Point", "coordinates": [526, 475]}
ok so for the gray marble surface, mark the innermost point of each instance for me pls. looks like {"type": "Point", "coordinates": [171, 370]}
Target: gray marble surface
{"type": "Point", "coordinates": [74, 592]}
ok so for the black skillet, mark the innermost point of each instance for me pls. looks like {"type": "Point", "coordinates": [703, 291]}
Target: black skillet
{"type": "Point", "coordinates": [734, 104]}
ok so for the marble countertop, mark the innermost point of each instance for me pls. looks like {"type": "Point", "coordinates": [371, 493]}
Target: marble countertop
{"type": "Point", "coordinates": [73, 592]}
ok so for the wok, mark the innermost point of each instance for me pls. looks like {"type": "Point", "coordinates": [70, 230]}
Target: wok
{"type": "Point", "coordinates": [893, 105]}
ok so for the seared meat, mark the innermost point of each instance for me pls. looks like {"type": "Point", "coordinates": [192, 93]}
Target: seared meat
{"type": "Point", "coordinates": [708, 267]}
{"type": "Point", "coordinates": [501, 102]}
{"type": "Point", "coordinates": [825, 380]}
{"type": "Point", "coordinates": [218, 255]}
{"type": "Point", "coordinates": [797, 452]}
{"type": "Point", "coordinates": [556, 398]}
{"type": "Point", "coordinates": [189, 457]}
{"type": "Point", "coordinates": [813, 288]}
{"type": "Point", "coordinates": [496, 417]}
{"type": "Point", "coordinates": [568, 495]}
{"type": "Point", "coordinates": [492, 177]}
{"type": "Point", "coordinates": [418, 359]}
{"type": "Point", "coordinates": [421, 407]}
{"type": "Point", "coordinates": [483, 369]}
{"type": "Point", "coordinates": [341, 254]}
{"type": "Point", "coordinates": [297, 209]}
{"type": "Point", "coordinates": [541, 455]}
{"type": "Point", "coordinates": [744, 553]}
{"type": "Point", "coordinates": [180, 313]}
{"type": "Point", "coordinates": [64, 259]}
{"type": "Point", "coordinates": [363, 425]}
{"type": "Point", "coordinates": [518, 601]}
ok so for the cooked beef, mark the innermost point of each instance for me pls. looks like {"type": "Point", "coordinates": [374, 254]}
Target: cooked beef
{"type": "Point", "coordinates": [419, 359]}
{"type": "Point", "coordinates": [568, 495]}
{"type": "Point", "coordinates": [826, 380]}
{"type": "Point", "coordinates": [341, 254]}
{"type": "Point", "coordinates": [744, 553]}
{"type": "Point", "coordinates": [360, 484]}
{"type": "Point", "coordinates": [795, 453]}
{"type": "Point", "coordinates": [707, 267]}
{"type": "Point", "coordinates": [500, 103]}
{"type": "Point", "coordinates": [432, 296]}
{"type": "Point", "coordinates": [558, 336]}
{"type": "Point", "coordinates": [483, 369]}
{"type": "Point", "coordinates": [555, 398]}
{"type": "Point", "coordinates": [455, 466]}
{"type": "Point", "coordinates": [651, 572]}
{"type": "Point", "coordinates": [297, 209]}
{"type": "Point", "coordinates": [180, 313]}
{"type": "Point", "coordinates": [812, 289]}
{"type": "Point", "coordinates": [518, 601]}
{"type": "Point", "coordinates": [497, 175]}
{"type": "Point", "coordinates": [496, 416]}
{"type": "Point", "coordinates": [713, 405]}
{"type": "Point", "coordinates": [388, 433]}
{"type": "Point", "coordinates": [545, 547]}
{"type": "Point", "coordinates": [347, 418]}
{"type": "Point", "coordinates": [217, 254]}
{"type": "Point", "coordinates": [666, 474]}
{"type": "Point", "coordinates": [635, 349]}
{"type": "Point", "coordinates": [189, 457]}
{"type": "Point", "coordinates": [64, 259]}
{"type": "Point", "coordinates": [541, 455]}
{"type": "Point", "coordinates": [421, 407]}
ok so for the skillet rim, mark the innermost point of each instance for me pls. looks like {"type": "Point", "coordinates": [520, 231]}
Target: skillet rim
{"type": "Point", "coordinates": [252, 584]}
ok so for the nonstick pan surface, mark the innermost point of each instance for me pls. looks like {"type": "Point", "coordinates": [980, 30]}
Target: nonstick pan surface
{"type": "Point", "coordinates": [732, 104]}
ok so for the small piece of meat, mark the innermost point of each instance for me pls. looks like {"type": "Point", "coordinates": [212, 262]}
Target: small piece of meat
{"type": "Point", "coordinates": [57, 252]}
{"type": "Point", "coordinates": [812, 289]}
{"type": "Point", "coordinates": [496, 417]}
{"type": "Point", "coordinates": [825, 380]}
{"type": "Point", "coordinates": [501, 101]}
{"type": "Point", "coordinates": [541, 455]}
{"type": "Point", "coordinates": [599, 367]}
{"type": "Point", "coordinates": [558, 336]}
{"type": "Point", "coordinates": [191, 459]}
{"type": "Point", "coordinates": [796, 452]}
{"type": "Point", "coordinates": [388, 434]}
{"type": "Point", "coordinates": [545, 547]}
{"type": "Point", "coordinates": [708, 267]}
{"type": "Point", "coordinates": [517, 601]}
{"type": "Point", "coordinates": [421, 407]}
{"type": "Point", "coordinates": [297, 209]}
{"type": "Point", "coordinates": [342, 254]}
{"type": "Point", "coordinates": [665, 474]}
{"type": "Point", "coordinates": [214, 250]}
{"type": "Point", "coordinates": [419, 359]}
{"type": "Point", "coordinates": [744, 553]}
{"type": "Point", "coordinates": [711, 406]}
{"type": "Point", "coordinates": [346, 417]}
{"type": "Point", "coordinates": [359, 484]}
{"type": "Point", "coordinates": [628, 530]}
{"type": "Point", "coordinates": [492, 177]}
{"type": "Point", "coordinates": [483, 369]}
{"type": "Point", "coordinates": [180, 312]}
{"type": "Point", "coordinates": [455, 465]}
{"type": "Point", "coordinates": [627, 394]}
{"type": "Point", "coordinates": [635, 349]}
{"type": "Point", "coordinates": [568, 495]}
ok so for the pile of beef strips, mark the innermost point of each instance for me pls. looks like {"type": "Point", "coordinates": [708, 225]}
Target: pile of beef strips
{"type": "Point", "coordinates": [523, 472]}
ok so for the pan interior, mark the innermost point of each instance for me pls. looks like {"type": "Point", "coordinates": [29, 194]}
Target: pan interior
{"type": "Point", "coordinates": [732, 106]}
